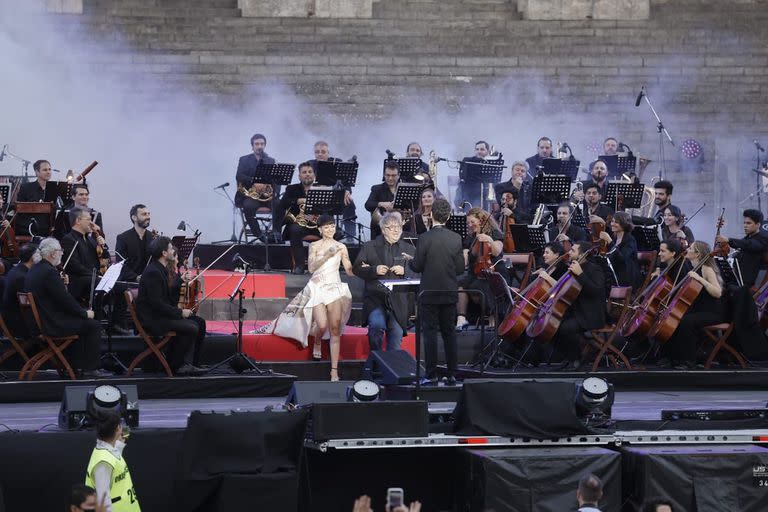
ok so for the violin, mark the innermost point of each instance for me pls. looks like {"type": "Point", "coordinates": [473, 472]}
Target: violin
{"type": "Point", "coordinates": [8, 240]}
{"type": "Point", "coordinates": [481, 251]}
{"type": "Point", "coordinates": [190, 290]}
{"type": "Point", "coordinates": [532, 297]}
{"type": "Point", "coordinates": [722, 249]}
{"type": "Point", "coordinates": [102, 250]}
{"type": "Point", "coordinates": [509, 241]}
{"type": "Point", "coordinates": [550, 315]}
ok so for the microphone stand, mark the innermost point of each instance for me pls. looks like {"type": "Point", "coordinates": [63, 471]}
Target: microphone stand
{"type": "Point", "coordinates": [233, 238]}
{"type": "Point", "coordinates": [662, 132]}
{"type": "Point", "coordinates": [759, 187]}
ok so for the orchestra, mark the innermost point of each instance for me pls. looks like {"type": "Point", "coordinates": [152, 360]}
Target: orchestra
{"type": "Point", "coordinates": [583, 247]}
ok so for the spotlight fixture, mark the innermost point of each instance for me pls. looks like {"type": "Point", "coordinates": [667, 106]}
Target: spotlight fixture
{"type": "Point", "coordinates": [594, 399]}
{"type": "Point", "coordinates": [363, 391]}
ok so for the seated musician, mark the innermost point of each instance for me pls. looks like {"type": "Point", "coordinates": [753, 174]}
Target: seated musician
{"type": "Point", "coordinates": [382, 258]}
{"type": "Point", "coordinates": [414, 151]}
{"type": "Point", "coordinates": [598, 174]}
{"type": "Point", "coordinates": [552, 251]}
{"type": "Point", "coordinates": [80, 196]}
{"type": "Point", "coordinates": [14, 283]}
{"type": "Point", "coordinates": [610, 146]}
{"type": "Point", "coordinates": [520, 182]}
{"type": "Point", "coordinates": [84, 260]}
{"type": "Point", "coordinates": [382, 197]}
{"type": "Point", "coordinates": [132, 245]}
{"type": "Point", "coordinates": [752, 248]}
{"type": "Point", "coordinates": [588, 311]}
{"type": "Point", "coordinates": [38, 191]}
{"type": "Point", "coordinates": [669, 250]}
{"type": "Point", "coordinates": [481, 228]}
{"type": "Point", "coordinates": [60, 313]}
{"type": "Point", "coordinates": [593, 207]}
{"type": "Point", "coordinates": [510, 207]}
{"type": "Point", "coordinates": [157, 308]}
{"type": "Point", "coordinates": [422, 217]}
{"type": "Point", "coordinates": [469, 189]}
{"type": "Point", "coordinates": [671, 228]}
{"type": "Point", "coordinates": [544, 150]}
{"type": "Point", "coordinates": [662, 198]}
{"type": "Point", "coordinates": [322, 154]}
{"type": "Point", "coordinates": [292, 202]}
{"type": "Point", "coordinates": [5, 235]}
{"type": "Point", "coordinates": [680, 350]}
{"type": "Point", "coordinates": [246, 171]}
{"type": "Point", "coordinates": [564, 230]}
{"type": "Point", "coordinates": [622, 250]}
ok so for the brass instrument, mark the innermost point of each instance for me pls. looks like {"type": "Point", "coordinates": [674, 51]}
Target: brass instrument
{"type": "Point", "coordinates": [433, 159]}
{"type": "Point", "coordinates": [646, 203]}
{"type": "Point", "coordinates": [302, 219]}
{"type": "Point", "coordinates": [261, 192]}
{"type": "Point", "coordinates": [538, 215]}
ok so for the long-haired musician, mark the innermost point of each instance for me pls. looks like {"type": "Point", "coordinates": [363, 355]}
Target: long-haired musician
{"type": "Point", "coordinates": [422, 217]}
{"type": "Point", "coordinates": [622, 250]}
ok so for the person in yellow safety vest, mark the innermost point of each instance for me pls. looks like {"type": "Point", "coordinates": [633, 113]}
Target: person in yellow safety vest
{"type": "Point", "coordinates": [107, 470]}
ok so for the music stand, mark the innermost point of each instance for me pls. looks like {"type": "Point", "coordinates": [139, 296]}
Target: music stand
{"type": "Point", "coordinates": [647, 238]}
{"type": "Point", "coordinates": [578, 219]}
{"type": "Point", "coordinates": [106, 285]}
{"type": "Point", "coordinates": [626, 164]}
{"type": "Point", "coordinates": [551, 188]}
{"type": "Point", "coordinates": [408, 166]}
{"type": "Point", "coordinates": [726, 272]}
{"type": "Point", "coordinates": [406, 195]}
{"type": "Point", "coordinates": [568, 167]}
{"type": "Point", "coordinates": [5, 193]}
{"type": "Point", "coordinates": [275, 174]}
{"type": "Point", "coordinates": [487, 171]}
{"type": "Point", "coordinates": [528, 238]}
{"type": "Point", "coordinates": [611, 164]}
{"type": "Point", "coordinates": [324, 200]}
{"type": "Point", "coordinates": [632, 194]}
{"type": "Point", "coordinates": [184, 246]}
{"type": "Point", "coordinates": [30, 210]}
{"type": "Point", "coordinates": [329, 173]}
{"type": "Point", "coordinates": [457, 223]}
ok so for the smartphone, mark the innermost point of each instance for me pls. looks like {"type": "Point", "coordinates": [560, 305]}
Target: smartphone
{"type": "Point", "coordinates": [394, 497]}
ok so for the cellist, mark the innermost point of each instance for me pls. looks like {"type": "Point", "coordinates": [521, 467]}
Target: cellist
{"type": "Point", "coordinates": [552, 251]}
{"type": "Point", "coordinates": [483, 234]}
{"type": "Point", "coordinates": [680, 350]}
{"type": "Point", "coordinates": [508, 207]}
{"type": "Point", "coordinates": [563, 230]}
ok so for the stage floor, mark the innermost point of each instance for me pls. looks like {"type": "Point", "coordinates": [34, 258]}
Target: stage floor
{"type": "Point", "coordinates": [162, 413]}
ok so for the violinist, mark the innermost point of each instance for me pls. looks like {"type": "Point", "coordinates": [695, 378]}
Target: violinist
{"type": "Point", "coordinates": [80, 196]}
{"type": "Point", "coordinates": [84, 260]}
{"type": "Point", "coordinates": [509, 207]}
{"type": "Point", "coordinates": [592, 197]}
{"type": "Point", "coordinates": [672, 226]}
{"type": "Point", "coordinates": [422, 217]}
{"type": "Point", "coordinates": [483, 236]}
{"type": "Point", "coordinates": [622, 250]}
{"type": "Point", "coordinates": [552, 251]}
{"type": "Point", "coordinates": [752, 248]}
{"type": "Point", "coordinates": [588, 311]}
{"type": "Point", "coordinates": [563, 230]}
{"type": "Point", "coordinates": [520, 182]}
{"type": "Point", "coordinates": [34, 192]}
{"type": "Point", "coordinates": [680, 350]}
{"type": "Point", "coordinates": [382, 196]}
{"type": "Point", "coordinates": [157, 307]}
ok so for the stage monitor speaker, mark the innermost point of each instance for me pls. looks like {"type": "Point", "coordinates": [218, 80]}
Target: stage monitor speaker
{"type": "Point", "coordinates": [391, 367]}
{"type": "Point", "coordinates": [306, 392]}
{"type": "Point", "coordinates": [359, 420]}
{"type": "Point", "coordinates": [73, 413]}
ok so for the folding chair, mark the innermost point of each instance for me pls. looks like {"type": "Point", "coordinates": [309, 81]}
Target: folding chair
{"type": "Point", "coordinates": [719, 334]}
{"type": "Point", "coordinates": [521, 259]}
{"type": "Point", "coordinates": [603, 338]}
{"type": "Point", "coordinates": [16, 346]}
{"type": "Point", "coordinates": [263, 216]}
{"type": "Point", "coordinates": [155, 343]}
{"type": "Point", "coordinates": [55, 344]}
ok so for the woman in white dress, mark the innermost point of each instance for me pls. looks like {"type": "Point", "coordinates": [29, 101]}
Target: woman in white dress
{"type": "Point", "coordinates": [325, 301]}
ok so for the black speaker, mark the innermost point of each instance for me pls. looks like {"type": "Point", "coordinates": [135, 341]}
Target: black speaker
{"type": "Point", "coordinates": [73, 413]}
{"type": "Point", "coordinates": [359, 420]}
{"type": "Point", "coordinates": [306, 392]}
{"type": "Point", "coordinates": [390, 367]}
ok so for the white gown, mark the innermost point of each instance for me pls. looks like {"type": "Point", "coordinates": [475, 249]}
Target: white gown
{"type": "Point", "coordinates": [324, 287]}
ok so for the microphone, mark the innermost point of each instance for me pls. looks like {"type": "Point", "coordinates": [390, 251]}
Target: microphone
{"type": "Point", "coordinates": [390, 155]}
{"type": "Point", "coordinates": [239, 258]}
{"type": "Point", "coordinates": [222, 186]}
{"type": "Point", "coordinates": [755, 142]}
{"type": "Point", "coordinates": [440, 159]}
{"type": "Point", "coordinates": [640, 96]}
{"type": "Point", "coordinates": [2, 155]}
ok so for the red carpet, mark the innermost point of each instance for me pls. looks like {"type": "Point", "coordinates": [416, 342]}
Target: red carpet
{"type": "Point", "coordinates": [267, 347]}
{"type": "Point", "coordinates": [220, 283]}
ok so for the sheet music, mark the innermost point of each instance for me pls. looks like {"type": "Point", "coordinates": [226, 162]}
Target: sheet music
{"type": "Point", "coordinates": [110, 277]}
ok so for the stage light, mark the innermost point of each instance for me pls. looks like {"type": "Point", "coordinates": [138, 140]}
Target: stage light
{"type": "Point", "coordinates": [691, 156]}
{"type": "Point", "coordinates": [81, 406]}
{"type": "Point", "coordinates": [182, 226]}
{"type": "Point", "coordinates": [594, 398]}
{"type": "Point", "coordinates": [690, 148]}
{"type": "Point", "coordinates": [364, 391]}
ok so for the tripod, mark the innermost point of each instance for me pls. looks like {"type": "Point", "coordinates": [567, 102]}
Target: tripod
{"type": "Point", "coordinates": [232, 239]}
{"type": "Point", "coordinates": [239, 361]}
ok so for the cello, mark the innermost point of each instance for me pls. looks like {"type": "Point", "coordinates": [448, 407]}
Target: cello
{"type": "Point", "coordinates": [532, 297]}
{"type": "Point", "coordinates": [550, 314]}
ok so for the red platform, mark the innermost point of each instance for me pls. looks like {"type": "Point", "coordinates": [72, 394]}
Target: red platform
{"type": "Point", "coordinates": [220, 283]}
{"type": "Point", "coordinates": [268, 347]}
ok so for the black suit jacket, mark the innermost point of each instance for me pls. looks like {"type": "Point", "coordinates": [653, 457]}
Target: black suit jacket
{"type": "Point", "coordinates": [624, 261]}
{"type": "Point", "coordinates": [59, 311]}
{"type": "Point", "coordinates": [14, 283]}
{"type": "Point", "coordinates": [439, 259]}
{"type": "Point", "coordinates": [135, 250]}
{"type": "Point", "coordinates": [31, 192]}
{"type": "Point", "coordinates": [246, 171]}
{"type": "Point", "coordinates": [752, 251]}
{"type": "Point", "coordinates": [533, 162]}
{"type": "Point", "coordinates": [589, 307]}
{"type": "Point", "coordinates": [157, 301]}
{"type": "Point", "coordinates": [379, 193]}
{"type": "Point", "coordinates": [376, 295]}
{"type": "Point", "coordinates": [602, 211]}
{"type": "Point", "coordinates": [574, 233]}
{"type": "Point", "coordinates": [524, 194]}
{"type": "Point", "coordinates": [84, 259]}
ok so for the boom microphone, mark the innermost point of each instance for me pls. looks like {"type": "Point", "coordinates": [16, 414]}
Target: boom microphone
{"type": "Point", "coordinates": [2, 155]}
{"type": "Point", "coordinates": [390, 155]}
{"type": "Point", "coordinates": [222, 186]}
{"type": "Point", "coordinates": [640, 96]}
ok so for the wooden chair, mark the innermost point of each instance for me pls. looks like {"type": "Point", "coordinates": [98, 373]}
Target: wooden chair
{"type": "Point", "coordinates": [719, 334]}
{"type": "Point", "coordinates": [647, 260]}
{"type": "Point", "coordinates": [521, 259]}
{"type": "Point", "coordinates": [155, 344]}
{"type": "Point", "coordinates": [603, 338]}
{"type": "Point", "coordinates": [55, 344]}
{"type": "Point", "coordinates": [263, 216]}
{"type": "Point", "coordinates": [16, 346]}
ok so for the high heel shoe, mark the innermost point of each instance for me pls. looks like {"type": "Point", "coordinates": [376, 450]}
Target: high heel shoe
{"type": "Point", "coordinates": [336, 377]}
{"type": "Point", "coordinates": [317, 351]}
